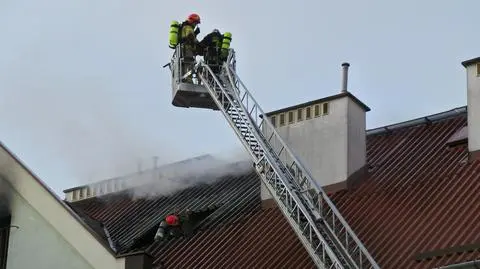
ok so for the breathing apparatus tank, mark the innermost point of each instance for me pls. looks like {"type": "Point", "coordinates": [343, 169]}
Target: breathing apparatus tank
{"type": "Point", "coordinates": [173, 37]}
{"type": "Point", "coordinates": [227, 38]}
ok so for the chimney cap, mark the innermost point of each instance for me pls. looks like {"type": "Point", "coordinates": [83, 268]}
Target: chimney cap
{"type": "Point", "coordinates": [345, 64]}
{"type": "Point", "coordinates": [471, 61]}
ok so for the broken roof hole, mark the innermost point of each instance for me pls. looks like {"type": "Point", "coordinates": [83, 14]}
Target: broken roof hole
{"type": "Point", "coordinates": [195, 220]}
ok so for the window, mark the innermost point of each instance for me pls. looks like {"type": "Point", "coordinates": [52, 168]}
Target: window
{"type": "Point", "coordinates": [478, 70]}
{"type": "Point", "coordinates": [300, 114]}
{"type": "Point", "coordinates": [80, 193]}
{"type": "Point", "coordinates": [308, 113]}
{"type": "Point", "coordinates": [273, 120]}
{"type": "Point", "coordinates": [290, 117]}
{"type": "Point", "coordinates": [4, 236]}
{"type": "Point", "coordinates": [282, 119]}
{"type": "Point", "coordinates": [317, 110]}
{"type": "Point", "coordinates": [325, 109]}
{"type": "Point", "coordinates": [89, 192]}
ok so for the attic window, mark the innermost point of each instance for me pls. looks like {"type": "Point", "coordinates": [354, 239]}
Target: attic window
{"type": "Point", "coordinates": [282, 119]}
{"type": "Point", "coordinates": [290, 117]}
{"type": "Point", "coordinates": [317, 110]}
{"type": "Point", "coordinates": [300, 114]}
{"type": "Point", "coordinates": [325, 108]}
{"type": "Point", "coordinates": [74, 195]}
{"type": "Point", "coordinates": [308, 113]}
{"type": "Point", "coordinates": [459, 137]}
{"type": "Point", "coordinates": [273, 120]}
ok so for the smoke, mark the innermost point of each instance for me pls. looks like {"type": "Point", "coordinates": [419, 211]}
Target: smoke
{"type": "Point", "coordinates": [71, 90]}
{"type": "Point", "coordinates": [170, 178]}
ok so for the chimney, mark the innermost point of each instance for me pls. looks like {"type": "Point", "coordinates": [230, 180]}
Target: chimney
{"type": "Point", "coordinates": [345, 76]}
{"type": "Point", "coordinates": [473, 106]}
{"type": "Point", "coordinates": [328, 135]}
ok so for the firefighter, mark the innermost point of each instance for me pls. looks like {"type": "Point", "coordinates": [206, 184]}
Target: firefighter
{"type": "Point", "coordinates": [210, 47]}
{"type": "Point", "coordinates": [188, 39]}
{"type": "Point", "coordinates": [174, 225]}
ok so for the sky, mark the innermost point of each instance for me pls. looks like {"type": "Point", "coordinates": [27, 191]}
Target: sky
{"type": "Point", "coordinates": [84, 97]}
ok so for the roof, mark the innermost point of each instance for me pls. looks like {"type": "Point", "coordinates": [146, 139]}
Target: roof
{"type": "Point", "coordinates": [417, 209]}
{"type": "Point", "coordinates": [325, 99]}
{"type": "Point", "coordinates": [471, 61]}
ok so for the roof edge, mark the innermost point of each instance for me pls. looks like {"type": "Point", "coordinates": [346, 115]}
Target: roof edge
{"type": "Point", "coordinates": [324, 99]}
{"type": "Point", "coordinates": [471, 61]}
{"type": "Point", "coordinates": [421, 120]}
{"type": "Point", "coordinates": [57, 198]}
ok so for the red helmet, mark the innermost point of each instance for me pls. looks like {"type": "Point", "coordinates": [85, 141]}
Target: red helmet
{"type": "Point", "coordinates": [193, 18]}
{"type": "Point", "coordinates": [171, 220]}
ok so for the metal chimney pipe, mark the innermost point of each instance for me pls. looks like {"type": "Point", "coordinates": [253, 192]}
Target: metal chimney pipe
{"type": "Point", "coordinates": [345, 76]}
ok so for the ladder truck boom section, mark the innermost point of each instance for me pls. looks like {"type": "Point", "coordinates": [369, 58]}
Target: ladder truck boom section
{"type": "Point", "coordinates": [318, 224]}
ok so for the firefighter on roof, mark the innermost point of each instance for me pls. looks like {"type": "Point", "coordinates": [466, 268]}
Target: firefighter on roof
{"type": "Point", "coordinates": [174, 225]}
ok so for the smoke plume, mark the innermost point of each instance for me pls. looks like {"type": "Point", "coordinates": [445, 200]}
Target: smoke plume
{"type": "Point", "coordinates": [170, 178]}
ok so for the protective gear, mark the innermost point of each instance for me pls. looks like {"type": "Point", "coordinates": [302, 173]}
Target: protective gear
{"type": "Point", "coordinates": [172, 220]}
{"type": "Point", "coordinates": [193, 18]}
{"type": "Point", "coordinates": [174, 34]}
{"type": "Point", "coordinates": [160, 234]}
{"type": "Point", "coordinates": [227, 38]}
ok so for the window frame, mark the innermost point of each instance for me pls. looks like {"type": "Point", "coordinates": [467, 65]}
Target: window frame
{"type": "Point", "coordinates": [300, 114]}
{"type": "Point", "coordinates": [308, 112]}
{"type": "Point", "coordinates": [282, 119]}
{"type": "Point", "coordinates": [291, 117]}
{"type": "Point", "coordinates": [273, 120]}
{"type": "Point", "coordinates": [327, 110]}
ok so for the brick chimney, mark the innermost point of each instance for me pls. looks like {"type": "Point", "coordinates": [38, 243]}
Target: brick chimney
{"type": "Point", "coordinates": [328, 135]}
{"type": "Point", "coordinates": [472, 67]}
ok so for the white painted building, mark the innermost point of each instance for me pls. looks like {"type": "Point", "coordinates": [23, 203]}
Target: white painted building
{"type": "Point", "coordinates": [38, 230]}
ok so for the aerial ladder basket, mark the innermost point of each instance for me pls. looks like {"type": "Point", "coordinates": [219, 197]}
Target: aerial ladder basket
{"type": "Point", "coordinates": [318, 224]}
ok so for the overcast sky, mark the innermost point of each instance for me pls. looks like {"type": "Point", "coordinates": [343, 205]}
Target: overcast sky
{"type": "Point", "coordinates": [83, 95]}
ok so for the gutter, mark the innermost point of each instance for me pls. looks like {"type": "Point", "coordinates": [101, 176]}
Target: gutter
{"type": "Point", "coordinates": [110, 242]}
{"type": "Point", "coordinates": [475, 264]}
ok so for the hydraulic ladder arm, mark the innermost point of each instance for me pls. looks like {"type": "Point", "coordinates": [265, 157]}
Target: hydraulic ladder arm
{"type": "Point", "coordinates": [317, 222]}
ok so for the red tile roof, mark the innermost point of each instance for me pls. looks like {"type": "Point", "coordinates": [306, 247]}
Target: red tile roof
{"type": "Point", "coordinates": [418, 209]}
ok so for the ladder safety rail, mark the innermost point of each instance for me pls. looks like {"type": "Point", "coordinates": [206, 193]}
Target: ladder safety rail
{"type": "Point", "coordinates": [317, 196]}
{"type": "Point", "coordinates": [312, 191]}
{"type": "Point", "coordinates": [319, 225]}
{"type": "Point", "coordinates": [289, 202]}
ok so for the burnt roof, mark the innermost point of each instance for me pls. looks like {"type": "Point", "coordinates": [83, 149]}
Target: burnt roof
{"type": "Point", "coordinates": [416, 210]}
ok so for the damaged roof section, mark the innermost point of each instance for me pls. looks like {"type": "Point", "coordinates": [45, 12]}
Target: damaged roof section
{"type": "Point", "coordinates": [132, 219]}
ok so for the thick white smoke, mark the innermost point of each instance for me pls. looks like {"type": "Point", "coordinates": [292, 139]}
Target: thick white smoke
{"type": "Point", "coordinates": [170, 178]}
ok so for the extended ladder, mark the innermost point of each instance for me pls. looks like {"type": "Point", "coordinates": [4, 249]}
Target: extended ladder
{"type": "Point", "coordinates": [317, 222]}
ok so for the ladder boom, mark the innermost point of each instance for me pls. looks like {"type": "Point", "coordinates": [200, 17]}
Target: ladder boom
{"type": "Point", "coordinates": [317, 222]}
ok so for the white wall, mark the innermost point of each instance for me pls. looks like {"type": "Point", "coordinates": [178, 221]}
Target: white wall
{"type": "Point", "coordinates": [331, 146]}
{"type": "Point", "coordinates": [473, 102]}
{"type": "Point", "coordinates": [357, 137]}
{"type": "Point", "coordinates": [54, 213]}
{"type": "Point", "coordinates": [321, 143]}
{"type": "Point", "coordinates": [36, 244]}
